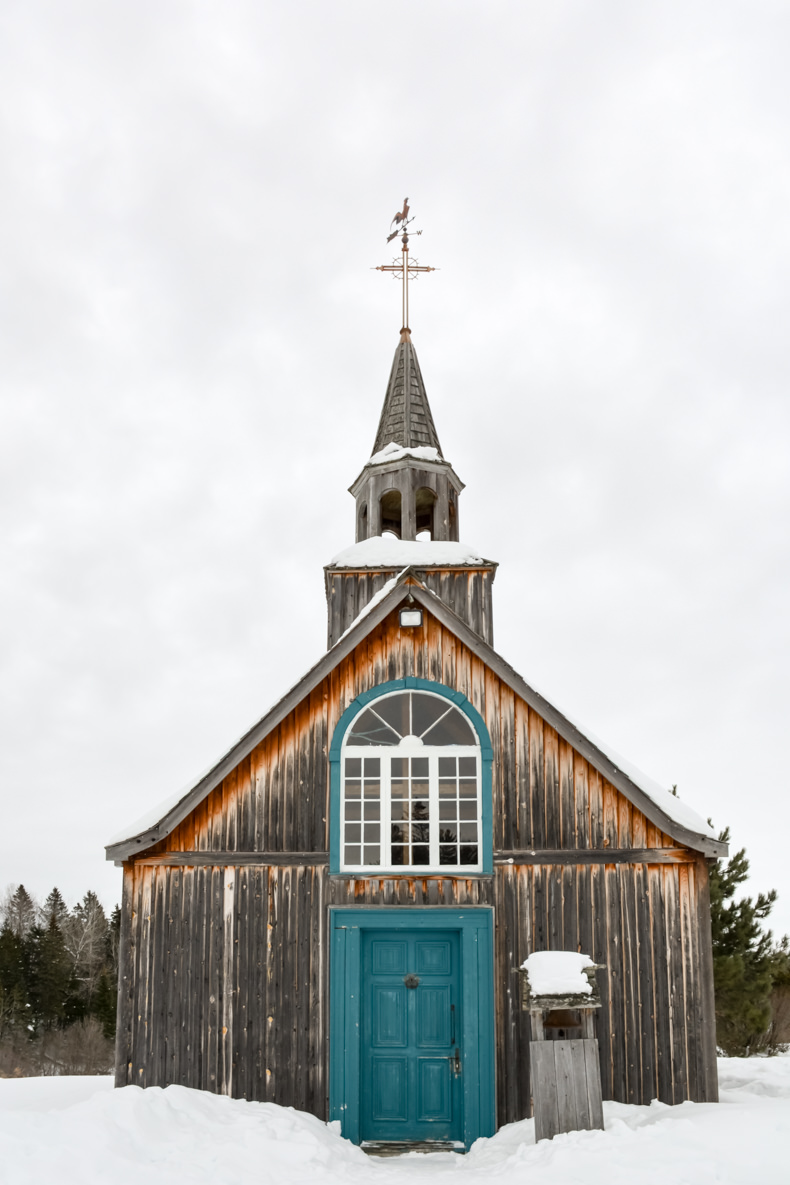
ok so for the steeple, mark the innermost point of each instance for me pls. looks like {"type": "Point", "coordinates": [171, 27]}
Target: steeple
{"type": "Point", "coordinates": [407, 489]}
{"type": "Point", "coordinates": [406, 415]}
{"type": "Point", "coordinates": [407, 498]}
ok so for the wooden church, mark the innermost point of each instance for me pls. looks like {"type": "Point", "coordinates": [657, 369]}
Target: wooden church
{"type": "Point", "coordinates": [334, 917]}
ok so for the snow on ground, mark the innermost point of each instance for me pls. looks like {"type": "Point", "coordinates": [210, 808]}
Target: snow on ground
{"type": "Point", "coordinates": [80, 1130]}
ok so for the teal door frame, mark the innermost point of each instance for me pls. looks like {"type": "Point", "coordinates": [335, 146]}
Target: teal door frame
{"type": "Point", "coordinates": [476, 929]}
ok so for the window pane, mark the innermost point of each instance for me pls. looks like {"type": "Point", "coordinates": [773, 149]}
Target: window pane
{"type": "Point", "coordinates": [353, 832]}
{"type": "Point", "coordinates": [372, 832]}
{"type": "Point", "coordinates": [419, 833]}
{"type": "Point", "coordinates": [353, 854]}
{"type": "Point", "coordinates": [468, 855]}
{"type": "Point", "coordinates": [426, 710]}
{"type": "Point", "coordinates": [367, 729]}
{"type": "Point", "coordinates": [372, 855]}
{"type": "Point", "coordinates": [372, 789]}
{"type": "Point", "coordinates": [448, 789]}
{"type": "Point", "coordinates": [353, 810]}
{"type": "Point", "coordinates": [399, 788]}
{"type": "Point", "coordinates": [372, 767]}
{"type": "Point", "coordinates": [419, 788]}
{"type": "Point", "coordinates": [450, 834]}
{"type": "Point", "coordinates": [467, 810]}
{"type": "Point", "coordinates": [468, 833]}
{"type": "Point", "coordinates": [447, 766]}
{"type": "Point", "coordinates": [468, 788]}
{"type": "Point", "coordinates": [397, 855]}
{"type": "Point", "coordinates": [419, 810]}
{"type": "Point", "coordinates": [353, 767]}
{"type": "Point", "coordinates": [420, 854]}
{"type": "Point", "coordinates": [454, 729]}
{"type": "Point", "coordinates": [400, 810]}
{"type": "Point", "coordinates": [448, 854]}
{"type": "Point", "coordinates": [353, 789]}
{"type": "Point", "coordinates": [400, 767]}
{"type": "Point", "coordinates": [419, 767]}
{"type": "Point", "coordinates": [398, 835]}
{"type": "Point", "coordinates": [447, 810]}
{"type": "Point", "coordinates": [395, 710]}
{"type": "Point", "coordinates": [372, 810]}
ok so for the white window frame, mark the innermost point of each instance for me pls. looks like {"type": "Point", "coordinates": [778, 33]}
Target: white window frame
{"type": "Point", "coordinates": [410, 747]}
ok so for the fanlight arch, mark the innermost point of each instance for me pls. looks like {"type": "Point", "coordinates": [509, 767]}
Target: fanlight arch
{"type": "Point", "coordinates": [411, 772]}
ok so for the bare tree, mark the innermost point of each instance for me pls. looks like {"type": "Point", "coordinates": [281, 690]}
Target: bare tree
{"type": "Point", "coordinates": [85, 936]}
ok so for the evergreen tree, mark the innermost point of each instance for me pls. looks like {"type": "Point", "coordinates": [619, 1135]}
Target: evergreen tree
{"type": "Point", "coordinates": [54, 908]}
{"type": "Point", "coordinates": [51, 985]}
{"type": "Point", "coordinates": [19, 910]}
{"type": "Point", "coordinates": [743, 958]}
{"type": "Point", "coordinates": [13, 989]}
{"type": "Point", "coordinates": [104, 1006]}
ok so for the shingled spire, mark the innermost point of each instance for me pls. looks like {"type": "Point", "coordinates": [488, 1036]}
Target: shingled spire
{"type": "Point", "coordinates": [406, 415]}
{"type": "Point", "coordinates": [407, 488]}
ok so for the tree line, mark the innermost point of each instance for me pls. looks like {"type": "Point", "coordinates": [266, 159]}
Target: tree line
{"type": "Point", "coordinates": [58, 976]}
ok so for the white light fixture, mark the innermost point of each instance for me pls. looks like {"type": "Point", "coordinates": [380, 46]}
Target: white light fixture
{"type": "Point", "coordinates": [410, 617]}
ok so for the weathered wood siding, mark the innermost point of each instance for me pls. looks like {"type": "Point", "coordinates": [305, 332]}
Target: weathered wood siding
{"type": "Point", "coordinates": [224, 941]}
{"type": "Point", "coordinates": [467, 591]}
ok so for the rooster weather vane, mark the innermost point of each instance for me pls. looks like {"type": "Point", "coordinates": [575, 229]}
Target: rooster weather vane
{"type": "Point", "coordinates": [407, 269]}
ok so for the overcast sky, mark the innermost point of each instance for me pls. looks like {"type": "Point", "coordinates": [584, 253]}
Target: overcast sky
{"type": "Point", "coordinates": [194, 351]}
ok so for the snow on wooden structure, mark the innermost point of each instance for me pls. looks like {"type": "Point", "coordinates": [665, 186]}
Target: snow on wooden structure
{"type": "Point", "coordinates": [560, 992]}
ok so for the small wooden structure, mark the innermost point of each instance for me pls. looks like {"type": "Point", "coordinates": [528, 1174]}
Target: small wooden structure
{"type": "Point", "coordinates": [564, 1059]}
{"type": "Point", "coordinates": [332, 918]}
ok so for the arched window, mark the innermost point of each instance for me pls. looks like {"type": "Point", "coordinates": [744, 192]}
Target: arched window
{"type": "Point", "coordinates": [409, 777]}
{"type": "Point", "coordinates": [362, 526]}
{"type": "Point", "coordinates": [390, 505]}
{"type": "Point", "coordinates": [425, 503]}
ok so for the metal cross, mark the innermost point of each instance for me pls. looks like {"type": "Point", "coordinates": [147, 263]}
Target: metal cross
{"type": "Point", "coordinates": [409, 269]}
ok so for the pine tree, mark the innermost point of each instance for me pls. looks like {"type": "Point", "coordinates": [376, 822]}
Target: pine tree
{"type": "Point", "coordinates": [54, 908]}
{"type": "Point", "coordinates": [104, 1006]}
{"type": "Point", "coordinates": [19, 911]}
{"type": "Point", "coordinates": [13, 990]}
{"type": "Point", "coordinates": [743, 958]}
{"type": "Point", "coordinates": [51, 986]}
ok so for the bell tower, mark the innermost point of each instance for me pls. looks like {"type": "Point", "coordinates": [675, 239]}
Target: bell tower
{"type": "Point", "coordinates": [406, 497]}
{"type": "Point", "coordinates": [407, 489]}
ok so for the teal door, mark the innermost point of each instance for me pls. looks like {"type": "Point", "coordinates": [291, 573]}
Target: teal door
{"type": "Point", "coordinates": [411, 1023]}
{"type": "Point", "coordinates": [411, 1056]}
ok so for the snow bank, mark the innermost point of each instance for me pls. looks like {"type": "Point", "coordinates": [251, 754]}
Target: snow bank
{"type": "Point", "coordinates": [395, 452]}
{"type": "Point", "coordinates": [385, 551]}
{"type": "Point", "coordinates": [78, 1131]}
{"type": "Point", "coordinates": [558, 973]}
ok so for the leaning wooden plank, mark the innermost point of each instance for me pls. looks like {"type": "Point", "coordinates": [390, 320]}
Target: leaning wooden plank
{"type": "Point", "coordinates": [592, 1069]}
{"type": "Point", "coordinates": [544, 1089]}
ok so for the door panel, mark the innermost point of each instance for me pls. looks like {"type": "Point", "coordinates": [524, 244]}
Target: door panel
{"type": "Point", "coordinates": [410, 999]}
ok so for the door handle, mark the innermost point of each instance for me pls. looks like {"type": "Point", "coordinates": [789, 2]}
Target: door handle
{"type": "Point", "coordinates": [455, 1062]}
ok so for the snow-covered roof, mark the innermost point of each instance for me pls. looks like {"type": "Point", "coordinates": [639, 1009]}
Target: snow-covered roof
{"type": "Point", "coordinates": [395, 452]}
{"type": "Point", "coordinates": [385, 551]}
{"type": "Point", "coordinates": [558, 973]}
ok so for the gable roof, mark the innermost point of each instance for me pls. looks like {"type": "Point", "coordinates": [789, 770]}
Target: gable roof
{"type": "Point", "coordinates": [406, 415]}
{"type": "Point", "coordinates": [657, 804]}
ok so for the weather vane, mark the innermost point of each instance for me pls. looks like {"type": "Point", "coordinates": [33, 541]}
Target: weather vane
{"type": "Point", "coordinates": [408, 269]}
